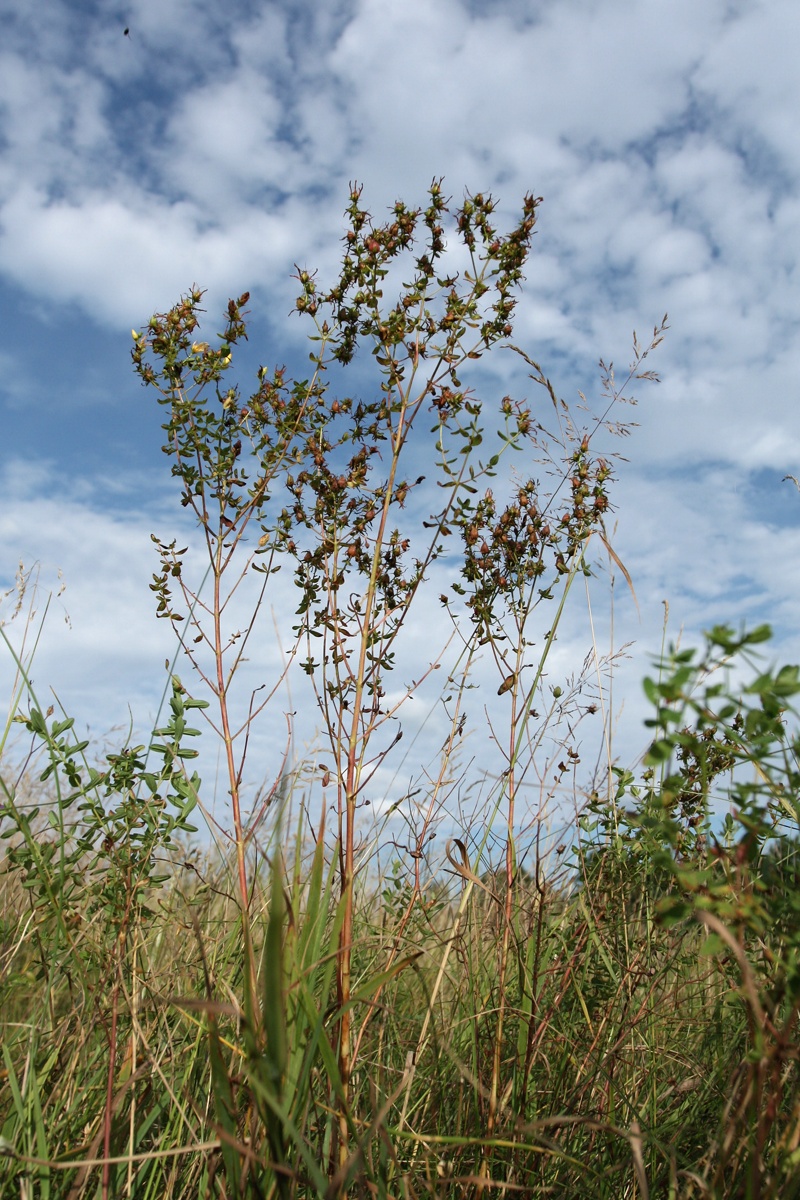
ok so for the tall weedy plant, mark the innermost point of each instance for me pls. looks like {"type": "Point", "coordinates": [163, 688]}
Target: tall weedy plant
{"type": "Point", "coordinates": [331, 485]}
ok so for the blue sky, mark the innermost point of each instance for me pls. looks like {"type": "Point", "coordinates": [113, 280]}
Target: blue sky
{"type": "Point", "coordinates": [215, 145]}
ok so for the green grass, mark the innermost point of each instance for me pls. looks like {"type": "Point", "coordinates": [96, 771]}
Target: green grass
{"type": "Point", "coordinates": [626, 1059]}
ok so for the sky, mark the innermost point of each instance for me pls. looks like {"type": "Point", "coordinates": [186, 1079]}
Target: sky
{"type": "Point", "coordinates": [215, 145]}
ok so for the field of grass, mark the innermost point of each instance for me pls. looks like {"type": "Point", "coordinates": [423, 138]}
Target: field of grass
{"type": "Point", "coordinates": [307, 1006]}
{"type": "Point", "coordinates": [608, 1052]}
{"type": "Point", "coordinates": [622, 1025]}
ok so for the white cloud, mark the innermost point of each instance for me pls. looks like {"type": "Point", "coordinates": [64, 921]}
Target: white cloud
{"type": "Point", "coordinates": [157, 251]}
{"type": "Point", "coordinates": [216, 147]}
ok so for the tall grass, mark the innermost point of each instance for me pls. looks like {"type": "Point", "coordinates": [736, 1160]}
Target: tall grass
{"type": "Point", "coordinates": [293, 1014]}
{"type": "Point", "coordinates": [634, 1058]}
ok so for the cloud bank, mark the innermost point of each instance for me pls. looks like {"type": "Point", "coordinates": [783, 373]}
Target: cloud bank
{"type": "Point", "coordinates": [217, 148]}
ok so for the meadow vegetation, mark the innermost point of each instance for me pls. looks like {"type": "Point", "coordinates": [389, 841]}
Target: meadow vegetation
{"type": "Point", "coordinates": [589, 986]}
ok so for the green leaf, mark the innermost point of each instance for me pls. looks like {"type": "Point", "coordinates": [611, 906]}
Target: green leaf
{"type": "Point", "coordinates": [224, 1106]}
{"type": "Point", "coordinates": [273, 994]}
{"type": "Point", "coordinates": [672, 909]}
{"type": "Point", "coordinates": [660, 751]}
{"type": "Point", "coordinates": [712, 946]}
{"type": "Point", "coordinates": [36, 723]}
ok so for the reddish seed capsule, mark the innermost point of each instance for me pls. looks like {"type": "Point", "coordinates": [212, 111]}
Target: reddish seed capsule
{"type": "Point", "coordinates": [507, 684]}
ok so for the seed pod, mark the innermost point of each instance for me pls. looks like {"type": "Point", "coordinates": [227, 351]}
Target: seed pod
{"type": "Point", "coordinates": [507, 684]}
